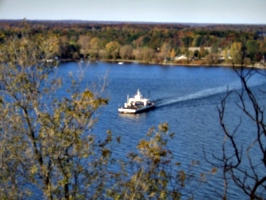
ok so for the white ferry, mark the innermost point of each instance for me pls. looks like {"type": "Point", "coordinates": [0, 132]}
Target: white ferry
{"type": "Point", "coordinates": [137, 104]}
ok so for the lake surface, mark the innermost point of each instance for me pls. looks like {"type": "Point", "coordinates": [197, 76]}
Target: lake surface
{"type": "Point", "coordinates": [187, 99]}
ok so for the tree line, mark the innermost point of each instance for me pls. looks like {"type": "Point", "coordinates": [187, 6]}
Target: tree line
{"type": "Point", "coordinates": [151, 43]}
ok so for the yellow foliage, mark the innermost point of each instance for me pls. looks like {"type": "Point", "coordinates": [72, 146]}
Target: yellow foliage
{"type": "Point", "coordinates": [87, 94]}
{"type": "Point", "coordinates": [112, 46]}
{"type": "Point", "coordinates": [214, 170]}
{"type": "Point", "coordinates": [34, 169]}
{"type": "Point", "coordinates": [163, 127]}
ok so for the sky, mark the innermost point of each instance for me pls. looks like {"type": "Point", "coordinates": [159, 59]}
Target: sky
{"type": "Point", "coordinates": [169, 11]}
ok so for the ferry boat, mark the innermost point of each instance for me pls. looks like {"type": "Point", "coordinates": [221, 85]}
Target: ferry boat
{"type": "Point", "coordinates": [137, 104]}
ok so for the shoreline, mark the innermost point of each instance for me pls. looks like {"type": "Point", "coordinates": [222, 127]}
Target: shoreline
{"type": "Point", "coordinates": [255, 66]}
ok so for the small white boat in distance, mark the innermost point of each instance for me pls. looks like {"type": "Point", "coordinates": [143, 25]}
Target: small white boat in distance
{"type": "Point", "coordinates": [120, 63]}
{"type": "Point", "coordinates": [137, 104]}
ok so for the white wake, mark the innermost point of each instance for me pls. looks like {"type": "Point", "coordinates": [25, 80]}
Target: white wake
{"type": "Point", "coordinates": [209, 92]}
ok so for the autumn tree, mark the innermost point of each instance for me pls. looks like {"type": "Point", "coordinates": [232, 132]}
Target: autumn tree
{"type": "Point", "coordinates": [165, 49]}
{"type": "Point", "coordinates": [94, 48]}
{"type": "Point", "coordinates": [172, 54]}
{"type": "Point", "coordinates": [152, 172]}
{"type": "Point", "coordinates": [45, 145]}
{"type": "Point", "coordinates": [113, 49]}
{"type": "Point", "coordinates": [145, 54]}
{"type": "Point", "coordinates": [83, 42]}
{"type": "Point", "coordinates": [126, 52]}
{"type": "Point", "coordinates": [235, 52]}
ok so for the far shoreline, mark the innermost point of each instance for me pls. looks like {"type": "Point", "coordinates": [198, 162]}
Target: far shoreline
{"type": "Point", "coordinates": [255, 66]}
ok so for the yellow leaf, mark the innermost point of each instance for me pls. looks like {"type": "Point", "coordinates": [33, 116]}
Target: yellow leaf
{"type": "Point", "coordinates": [214, 170]}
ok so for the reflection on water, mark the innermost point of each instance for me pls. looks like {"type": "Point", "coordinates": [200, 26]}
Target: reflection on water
{"type": "Point", "coordinates": [132, 116]}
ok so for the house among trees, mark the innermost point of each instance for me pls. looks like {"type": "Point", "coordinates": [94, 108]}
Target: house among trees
{"type": "Point", "coordinates": [193, 49]}
{"type": "Point", "coordinates": [181, 57]}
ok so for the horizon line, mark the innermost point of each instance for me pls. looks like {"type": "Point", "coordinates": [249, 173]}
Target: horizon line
{"type": "Point", "coordinates": [136, 22]}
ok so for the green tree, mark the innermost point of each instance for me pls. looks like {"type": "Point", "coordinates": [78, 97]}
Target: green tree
{"type": "Point", "coordinates": [253, 50]}
{"type": "Point", "coordinates": [2, 37]}
{"type": "Point", "coordinates": [197, 41]}
{"type": "Point", "coordinates": [203, 52]}
{"type": "Point", "coordinates": [263, 46]}
{"type": "Point", "coordinates": [196, 54]}
{"type": "Point", "coordinates": [63, 43]}
{"type": "Point", "coordinates": [186, 44]}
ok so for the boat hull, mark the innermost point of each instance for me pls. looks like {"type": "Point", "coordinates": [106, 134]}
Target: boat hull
{"type": "Point", "coordinates": [136, 110]}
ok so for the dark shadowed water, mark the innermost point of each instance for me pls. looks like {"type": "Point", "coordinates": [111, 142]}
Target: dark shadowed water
{"type": "Point", "coordinates": [187, 99]}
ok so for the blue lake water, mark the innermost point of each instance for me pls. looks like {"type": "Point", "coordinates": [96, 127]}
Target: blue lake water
{"type": "Point", "coordinates": [187, 99]}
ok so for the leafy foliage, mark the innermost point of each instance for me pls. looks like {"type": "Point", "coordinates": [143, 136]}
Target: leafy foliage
{"type": "Point", "coordinates": [45, 140]}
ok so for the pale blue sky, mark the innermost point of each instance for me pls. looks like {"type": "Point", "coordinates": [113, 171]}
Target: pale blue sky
{"type": "Point", "coordinates": [195, 11]}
